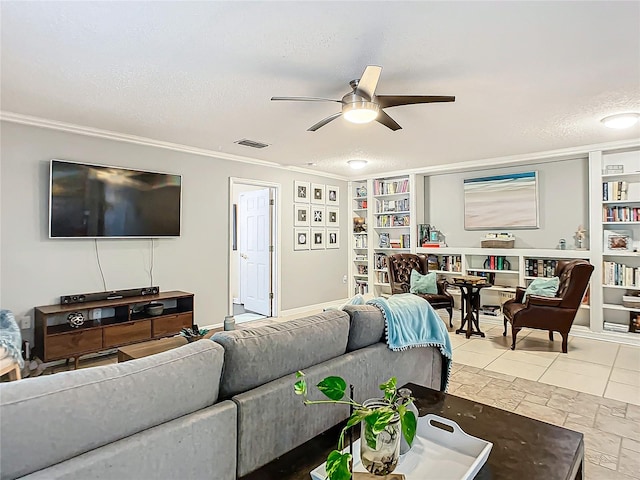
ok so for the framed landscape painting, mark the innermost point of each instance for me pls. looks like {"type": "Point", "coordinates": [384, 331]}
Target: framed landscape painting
{"type": "Point", "coordinates": [501, 201]}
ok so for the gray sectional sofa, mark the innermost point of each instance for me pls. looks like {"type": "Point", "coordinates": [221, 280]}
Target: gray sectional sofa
{"type": "Point", "coordinates": [214, 409]}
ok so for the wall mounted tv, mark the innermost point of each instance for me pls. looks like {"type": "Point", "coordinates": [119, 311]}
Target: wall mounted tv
{"type": "Point", "coordinates": [96, 201]}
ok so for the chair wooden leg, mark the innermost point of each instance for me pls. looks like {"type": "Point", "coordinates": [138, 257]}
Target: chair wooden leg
{"type": "Point", "coordinates": [15, 373]}
{"type": "Point", "coordinates": [514, 334]}
{"type": "Point", "coordinates": [551, 335]}
{"type": "Point", "coordinates": [504, 334]}
{"type": "Point", "coordinates": [565, 339]}
{"type": "Point", "coordinates": [450, 310]}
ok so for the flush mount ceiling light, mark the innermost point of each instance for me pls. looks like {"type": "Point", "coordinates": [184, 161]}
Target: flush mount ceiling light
{"type": "Point", "coordinates": [622, 120]}
{"type": "Point", "coordinates": [357, 164]}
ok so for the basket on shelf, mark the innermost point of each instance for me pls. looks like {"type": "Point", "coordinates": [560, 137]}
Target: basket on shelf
{"type": "Point", "coordinates": [498, 243]}
{"type": "Point", "coordinates": [631, 301]}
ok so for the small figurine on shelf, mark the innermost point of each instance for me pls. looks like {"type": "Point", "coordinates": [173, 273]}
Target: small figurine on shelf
{"type": "Point", "coordinates": [562, 245]}
{"type": "Point", "coordinates": [580, 236]}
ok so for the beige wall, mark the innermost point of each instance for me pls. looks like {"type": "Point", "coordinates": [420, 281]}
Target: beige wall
{"type": "Point", "coordinates": [36, 270]}
{"type": "Point", "coordinates": [563, 201]}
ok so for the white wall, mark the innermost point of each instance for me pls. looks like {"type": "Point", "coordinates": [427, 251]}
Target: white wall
{"type": "Point", "coordinates": [563, 190]}
{"type": "Point", "coordinates": [36, 270]}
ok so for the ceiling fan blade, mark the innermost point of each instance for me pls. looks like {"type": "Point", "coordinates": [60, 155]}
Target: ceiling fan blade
{"type": "Point", "coordinates": [323, 122]}
{"type": "Point", "coordinates": [305, 99]}
{"type": "Point", "coordinates": [368, 82]}
{"type": "Point", "coordinates": [386, 101]}
{"type": "Point", "coordinates": [387, 121]}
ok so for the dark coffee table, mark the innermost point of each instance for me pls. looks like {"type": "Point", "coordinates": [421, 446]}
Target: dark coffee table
{"type": "Point", "coordinates": [523, 448]}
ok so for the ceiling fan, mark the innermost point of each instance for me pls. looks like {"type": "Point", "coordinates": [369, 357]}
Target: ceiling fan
{"type": "Point", "coordinates": [362, 105]}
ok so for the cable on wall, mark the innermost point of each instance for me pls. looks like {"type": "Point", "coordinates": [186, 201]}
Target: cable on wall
{"type": "Point", "coordinates": [104, 283]}
{"type": "Point", "coordinates": [151, 266]}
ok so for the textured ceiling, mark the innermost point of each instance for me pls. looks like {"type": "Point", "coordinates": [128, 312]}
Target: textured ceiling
{"type": "Point", "coordinates": [527, 76]}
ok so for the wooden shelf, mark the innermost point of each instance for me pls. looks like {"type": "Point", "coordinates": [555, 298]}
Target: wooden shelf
{"type": "Point", "coordinates": [620, 287]}
{"type": "Point", "coordinates": [56, 339]}
{"type": "Point", "coordinates": [485, 270]}
{"type": "Point", "coordinates": [612, 306]}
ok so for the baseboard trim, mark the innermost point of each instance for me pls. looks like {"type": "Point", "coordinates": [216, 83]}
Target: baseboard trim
{"type": "Point", "coordinates": [309, 308]}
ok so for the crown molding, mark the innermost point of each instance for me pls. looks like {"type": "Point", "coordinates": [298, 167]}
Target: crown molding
{"type": "Point", "coordinates": [570, 153]}
{"type": "Point", "coordinates": [150, 142]}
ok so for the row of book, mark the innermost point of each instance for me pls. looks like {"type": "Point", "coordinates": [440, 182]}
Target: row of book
{"type": "Point", "coordinates": [360, 241]}
{"type": "Point", "coordinates": [383, 206]}
{"type": "Point", "coordinates": [621, 275]}
{"type": "Point", "coordinates": [450, 263]}
{"type": "Point", "coordinates": [385, 241]}
{"type": "Point", "coordinates": [380, 261]}
{"type": "Point", "coordinates": [497, 262]}
{"type": "Point", "coordinates": [621, 214]}
{"type": "Point", "coordinates": [539, 268]}
{"type": "Point", "coordinates": [382, 277]}
{"type": "Point", "coordinates": [612, 191]}
{"type": "Point", "coordinates": [393, 221]}
{"type": "Point", "coordinates": [385, 187]}
{"type": "Point", "coordinates": [634, 325]}
{"type": "Point", "coordinates": [361, 204]}
{"type": "Point", "coordinates": [361, 287]}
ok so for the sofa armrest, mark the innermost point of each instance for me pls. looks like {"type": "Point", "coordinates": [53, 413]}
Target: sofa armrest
{"type": "Point", "coordinates": [442, 287]}
{"type": "Point", "coordinates": [538, 301]}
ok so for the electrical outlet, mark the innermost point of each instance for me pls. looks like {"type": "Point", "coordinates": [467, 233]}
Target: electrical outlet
{"type": "Point", "coordinates": [344, 279]}
{"type": "Point", "coordinates": [25, 322]}
{"type": "Point", "coordinates": [95, 314]}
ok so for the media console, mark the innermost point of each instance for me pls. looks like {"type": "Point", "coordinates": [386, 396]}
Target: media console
{"type": "Point", "coordinates": [123, 321]}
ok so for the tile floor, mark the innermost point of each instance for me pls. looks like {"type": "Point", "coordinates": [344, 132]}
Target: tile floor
{"type": "Point", "coordinates": [593, 389]}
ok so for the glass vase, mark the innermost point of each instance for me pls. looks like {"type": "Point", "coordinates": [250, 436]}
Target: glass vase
{"type": "Point", "coordinates": [379, 453]}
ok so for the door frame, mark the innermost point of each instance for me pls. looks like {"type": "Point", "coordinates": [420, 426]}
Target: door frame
{"type": "Point", "coordinates": [276, 234]}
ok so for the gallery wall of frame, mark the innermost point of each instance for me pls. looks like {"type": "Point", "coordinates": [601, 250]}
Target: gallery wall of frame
{"type": "Point", "coordinates": [316, 220]}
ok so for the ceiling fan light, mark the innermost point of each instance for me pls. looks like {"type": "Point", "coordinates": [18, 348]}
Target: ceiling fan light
{"type": "Point", "coordinates": [621, 120]}
{"type": "Point", "coordinates": [360, 111]}
{"type": "Point", "coordinates": [357, 164]}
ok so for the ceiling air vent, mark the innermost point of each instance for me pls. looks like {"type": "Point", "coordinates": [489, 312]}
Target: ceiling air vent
{"type": "Point", "coordinates": [251, 143]}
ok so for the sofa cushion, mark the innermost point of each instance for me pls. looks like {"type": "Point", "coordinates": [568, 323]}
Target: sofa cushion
{"type": "Point", "coordinates": [255, 356]}
{"type": "Point", "coordinates": [366, 328]}
{"type": "Point", "coordinates": [52, 418]}
{"type": "Point", "coordinates": [185, 448]}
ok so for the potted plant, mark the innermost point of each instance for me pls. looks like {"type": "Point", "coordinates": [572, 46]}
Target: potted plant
{"type": "Point", "coordinates": [382, 421]}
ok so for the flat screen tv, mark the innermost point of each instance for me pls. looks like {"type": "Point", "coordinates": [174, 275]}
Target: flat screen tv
{"type": "Point", "coordinates": [96, 201]}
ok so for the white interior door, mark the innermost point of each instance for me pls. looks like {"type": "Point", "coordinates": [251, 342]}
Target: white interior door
{"type": "Point", "coordinates": [255, 256]}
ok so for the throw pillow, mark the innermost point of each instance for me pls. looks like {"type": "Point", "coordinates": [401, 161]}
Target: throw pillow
{"type": "Point", "coordinates": [545, 287]}
{"type": "Point", "coordinates": [423, 283]}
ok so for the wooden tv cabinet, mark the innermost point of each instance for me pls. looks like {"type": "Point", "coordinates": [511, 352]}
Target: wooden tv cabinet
{"type": "Point", "coordinates": [123, 322]}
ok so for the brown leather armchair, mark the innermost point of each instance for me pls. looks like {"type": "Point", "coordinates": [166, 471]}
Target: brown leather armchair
{"type": "Point", "coordinates": [555, 314]}
{"type": "Point", "coordinates": [400, 266]}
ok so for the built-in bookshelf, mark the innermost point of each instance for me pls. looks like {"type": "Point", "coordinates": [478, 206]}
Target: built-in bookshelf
{"type": "Point", "coordinates": [391, 224]}
{"type": "Point", "coordinates": [360, 238]}
{"type": "Point", "coordinates": [615, 192]}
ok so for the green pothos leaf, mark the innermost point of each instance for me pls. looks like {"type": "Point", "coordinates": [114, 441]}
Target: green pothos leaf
{"type": "Point", "coordinates": [333, 387]}
{"type": "Point", "coordinates": [389, 388]}
{"type": "Point", "coordinates": [300, 387]}
{"type": "Point", "coordinates": [338, 466]}
{"type": "Point", "coordinates": [356, 417]}
{"type": "Point", "coordinates": [408, 424]}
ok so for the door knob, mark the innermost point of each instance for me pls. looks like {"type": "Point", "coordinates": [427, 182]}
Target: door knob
{"type": "Point", "coordinates": [244, 255]}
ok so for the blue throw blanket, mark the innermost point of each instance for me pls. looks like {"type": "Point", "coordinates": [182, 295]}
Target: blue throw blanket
{"type": "Point", "coordinates": [412, 322]}
{"type": "Point", "coordinates": [10, 337]}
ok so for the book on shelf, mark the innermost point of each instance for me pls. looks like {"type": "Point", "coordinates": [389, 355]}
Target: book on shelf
{"type": "Point", "coordinates": [361, 204]}
{"type": "Point", "coordinates": [361, 287]}
{"type": "Point", "coordinates": [540, 267]}
{"type": "Point", "coordinates": [619, 274]}
{"type": "Point", "coordinates": [380, 261]}
{"type": "Point", "coordinates": [388, 187]}
{"type": "Point", "coordinates": [620, 214]}
{"type": "Point", "coordinates": [384, 241]}
{"type": "Point", "coordinates": [616, 327]}
{"type": "Point", "coordinates": [433, 244]}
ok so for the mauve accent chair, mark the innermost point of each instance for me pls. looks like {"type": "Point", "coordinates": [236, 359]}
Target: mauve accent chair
{"type": "Point", "coordinates": [400, 266]}
{"type": "Point", "coordinates": [555, 314]}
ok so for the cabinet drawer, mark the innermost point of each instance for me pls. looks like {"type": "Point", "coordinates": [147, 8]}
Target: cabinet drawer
{"type": "Point", "coordinates": [171, 324]}
{"type": "Point", "coordinates": [72, 343]}
{"type": "Point", "coordinates": [124, 333]}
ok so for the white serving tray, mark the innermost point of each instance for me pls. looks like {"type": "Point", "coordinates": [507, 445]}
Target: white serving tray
{"type": "Point", "coordinates": [435, 453]}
